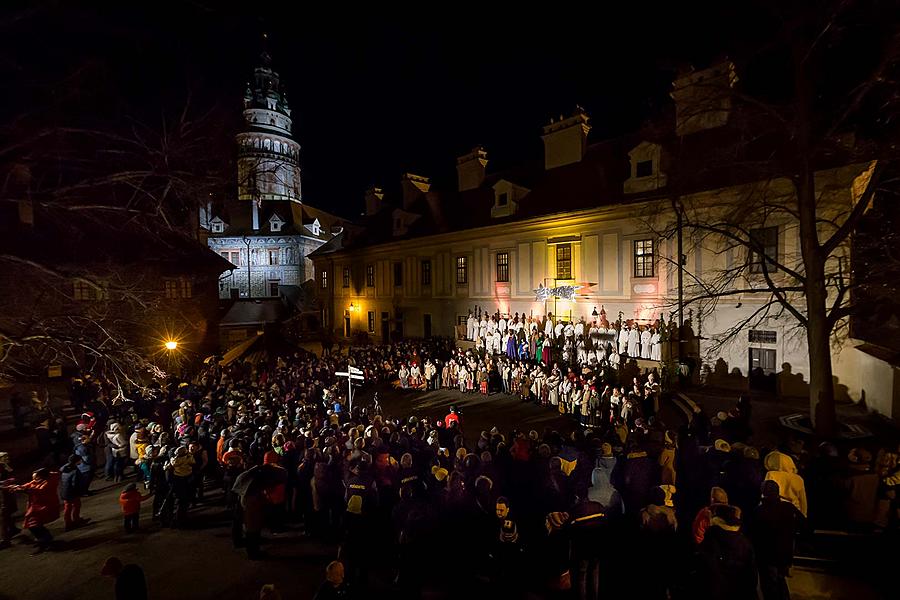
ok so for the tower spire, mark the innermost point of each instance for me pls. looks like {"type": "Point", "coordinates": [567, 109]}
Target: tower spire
{"type": "Point", "coordinates": [265, 58]}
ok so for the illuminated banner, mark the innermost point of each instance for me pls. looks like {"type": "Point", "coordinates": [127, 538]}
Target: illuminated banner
{"type": "Point", "coordinates": [567, 292]}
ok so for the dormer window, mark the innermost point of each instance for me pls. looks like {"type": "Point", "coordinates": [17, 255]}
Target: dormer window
{"type": "Point", "coordinates": [275, 223]}
{"type": "Point", "coordinates": [217, 225]}
{"type": "Point", "coordinates": [645, 172]}
{"type": "Point", "coordinates": [315, 227]}
{"type": "Point", "coordinates": [506, 198]}
{"type": "Point", "coordinates": [643, 168]}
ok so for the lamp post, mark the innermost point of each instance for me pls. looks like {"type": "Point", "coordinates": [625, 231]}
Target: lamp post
{"type": "Point", "coordinates": [246, 241]}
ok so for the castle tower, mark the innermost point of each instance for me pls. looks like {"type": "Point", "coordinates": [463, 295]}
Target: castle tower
{"type": "Point", "coordinates": [268, 155]}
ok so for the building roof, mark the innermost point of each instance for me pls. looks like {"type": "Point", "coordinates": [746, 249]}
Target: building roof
{"type": "Point", "coordinates": [76, 240]}
{"type": "Point", "coordinates": [709, 159]}
{"type": "Point", "coordinates": [297, 219]}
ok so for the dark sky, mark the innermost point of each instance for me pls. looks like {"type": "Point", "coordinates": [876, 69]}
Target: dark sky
{"type": "Point", "coordinates": [374, 93]}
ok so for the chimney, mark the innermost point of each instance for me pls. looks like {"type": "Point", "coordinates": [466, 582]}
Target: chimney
{"type": "Point", "coordinates": [565, 141]}
{"type": "Point", "coordinates": [703, 98]}
{"type": "Point", "coordinates": [470, 169]}
{"type": "Point", "coordinates": [374, 197]}
{"type": "Point", "coordinates": [413, 186]}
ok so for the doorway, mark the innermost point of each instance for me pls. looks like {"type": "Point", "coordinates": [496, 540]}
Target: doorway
{"type": "Point", "coordinates": [346, 323]}
{"type": "Point", "coordinates": [762, 369]}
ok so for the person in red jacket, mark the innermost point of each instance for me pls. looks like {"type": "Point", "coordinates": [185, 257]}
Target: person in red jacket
{"type": "Point", "coordinates": [43, 505]}
{"type": "Point", "coordinates": [130, 501]}
{"type": "Point", "coordinates": [453, 417]}
{"type": "Point", "coordinates": [275, 493]}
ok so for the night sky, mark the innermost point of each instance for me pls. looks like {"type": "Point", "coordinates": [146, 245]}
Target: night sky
{"type": "Point", "coordinates": [374, 93]}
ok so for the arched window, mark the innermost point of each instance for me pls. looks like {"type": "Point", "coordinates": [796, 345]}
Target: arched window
{"type": "Point", "coordinates": [256, 144]}
{"type": "Point", "coordinates": [267, 145]}
{"type": "Point", "coordinates": [276, 146]}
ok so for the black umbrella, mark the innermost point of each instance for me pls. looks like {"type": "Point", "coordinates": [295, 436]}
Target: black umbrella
{"type": "Point", "coordinates": [256, 479]}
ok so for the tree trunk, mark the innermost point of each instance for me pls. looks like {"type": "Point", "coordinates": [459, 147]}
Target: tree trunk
{"type": "Point", "coordinates": [818, 330]}
{"type": "Point", "coordinates": [821, 383]}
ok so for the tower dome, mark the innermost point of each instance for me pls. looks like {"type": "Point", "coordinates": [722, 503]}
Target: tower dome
{"type": "Point", "coordinates": [268, 155]}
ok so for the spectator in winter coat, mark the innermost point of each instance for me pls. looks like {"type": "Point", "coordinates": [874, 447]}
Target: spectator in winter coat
{"type": "Point", "coordinates": [43, 505]}
{"type": "Point", "coordinates": [70, 490]}
{"type": "Point", "coordinates": [774, 525]}
{"type": "Point", "coordinates": [635, 476]}
{"type": "Point", "coordinates": [118, 445]}
{"type": "Point", "coordinates": [130, 500]}
{"type": "Point", "coordinates": [602, 490]}
{"type": "Point", "coordinates": [717, 498]}
{"type": "Point", "coordinates": [782, 471]}
{"type": "Point", "coordinates": [85, 451]}
{"type": "Point", "coordinates": [727, 561]}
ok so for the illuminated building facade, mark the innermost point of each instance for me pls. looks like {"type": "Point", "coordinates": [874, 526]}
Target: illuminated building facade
{"type": "Point", "coordinates": [266, 232]}
{"type": "Point", "coordinates": [588, 214]}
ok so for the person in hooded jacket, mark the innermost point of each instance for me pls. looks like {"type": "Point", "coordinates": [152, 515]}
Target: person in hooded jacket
{"type": "Point", "coordinates": [727, 562]}
{"type": "Point", "coordinates": [602, 490]}
{"type": "Point", "coordinates": [774, 525]}
{"type": "Point", "coordinates": [780, 469]}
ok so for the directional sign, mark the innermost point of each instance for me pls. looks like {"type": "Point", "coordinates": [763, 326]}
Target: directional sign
{"type": "Point", "coordinates": [355, 371]}
{"type": "Point", "coordinates": [350, 375]}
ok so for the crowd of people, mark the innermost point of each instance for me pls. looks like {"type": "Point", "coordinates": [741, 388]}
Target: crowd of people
{"type": "Point", "coordinates": [507, 508]}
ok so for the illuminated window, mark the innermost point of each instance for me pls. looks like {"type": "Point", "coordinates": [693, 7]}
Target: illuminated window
{"type": "Point", "coordinates": [232, 256]}
{"type": "Point", "coordinates": [370, 275]}
{"type": "Point", "coordinates": [643, 168]}
{"type": "Point", "coordinates": [171, 288]}
{"type": "Point", "coordinates": [462, 270]}
{"type": "Point", "coordinates": [371, 321]}
{"type": "Point", "coordinates": [323, 280]}
{"type": "Point", "coordinates": [178, 288]}
{"type": "Point", "coordinates": [83, 291]}
{"type": "Point", "coordinates": [398, 274]}
{"type": "Point", "coordinates": [643, 258]}
{"type": "Point", "coordinates": [346, 277]}
{"type": "Point", "coordinates": [767, 239]}
{"type": "Point", "coordinates": [564, 261]}
{"type": "Point", "coordinates": [426, 272]}
{"type": "Point", "coordinates": [503, 266]}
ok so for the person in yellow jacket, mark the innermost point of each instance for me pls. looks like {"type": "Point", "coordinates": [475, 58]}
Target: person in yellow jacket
{"type": "Point", "coordinates": [781, 470]}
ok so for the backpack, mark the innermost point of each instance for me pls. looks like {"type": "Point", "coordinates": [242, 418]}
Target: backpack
{"type": "Point", "coordinates": [355, 498]}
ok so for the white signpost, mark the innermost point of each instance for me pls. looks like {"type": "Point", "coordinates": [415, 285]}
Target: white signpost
{"type": "Point", "coordinates": [352, 374]}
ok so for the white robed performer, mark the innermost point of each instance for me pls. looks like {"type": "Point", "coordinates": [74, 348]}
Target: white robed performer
{"type": "Point", "coordinates": [655, 346]}
{"type": "Point", "coordinates": [623, 340]}
{"type": "Point", "coordinates": [645, 343]}
{"type": "Point", "coordinates": [634, 342]}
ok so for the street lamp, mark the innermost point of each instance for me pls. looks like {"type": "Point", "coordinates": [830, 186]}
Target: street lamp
{"type": "Point", "coordinates": [171, 345]}
{"type": "Point", "coordinates": [247, 241]}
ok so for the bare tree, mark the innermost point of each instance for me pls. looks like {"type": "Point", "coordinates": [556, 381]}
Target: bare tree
{"type": "Point", "coordinates": [802, 163]}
